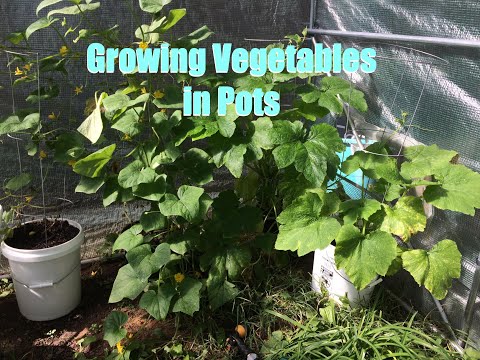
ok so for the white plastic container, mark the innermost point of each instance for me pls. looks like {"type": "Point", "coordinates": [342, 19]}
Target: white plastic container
{"type": "Point", "coordinates": [335, 281]}
{"type": "Point", "coordinates": [47, 281]}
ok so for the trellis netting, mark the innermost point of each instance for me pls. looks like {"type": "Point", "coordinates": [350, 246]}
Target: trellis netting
{"type": "Point", "coordinates": [438, 86]}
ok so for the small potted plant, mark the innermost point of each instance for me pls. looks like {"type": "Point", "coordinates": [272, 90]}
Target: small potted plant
{"type": "Point", "coordinates": [44, 259]}
{"type": "Point", "coordinates": [44, 254]}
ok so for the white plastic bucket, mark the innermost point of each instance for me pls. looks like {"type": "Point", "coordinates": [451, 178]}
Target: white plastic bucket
{"type": "Point", "coordinates": [335, 281]}
{"type": "Point", "coordinates": [47, 281]}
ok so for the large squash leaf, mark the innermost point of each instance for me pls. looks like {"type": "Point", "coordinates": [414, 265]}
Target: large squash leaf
{"type": "Point", "coordinates": [425, 160]}
{"type": "Point", "coordinates": [459, 190]}
{"type": "Point", "coordinates": [435, 268]}
{"type": "Point", "coordinates": [364, 257]}
{"type": "Point", "coordinates": [303, 226]}
{"type": "Point", "coordinates": [406, 218]}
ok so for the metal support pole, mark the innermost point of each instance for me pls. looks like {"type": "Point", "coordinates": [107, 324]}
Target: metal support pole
{"type": "Point", "coordinates": [468, 315]}
{"type": "Point", "coordinates": [464, 43]}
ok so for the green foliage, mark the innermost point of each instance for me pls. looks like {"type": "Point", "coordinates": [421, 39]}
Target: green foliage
{"type": "Point", "coordinates": [364, 257]}
{"type": "Point", "coordinates": [188, 249]}
{"type": "Point", "coordinates": [434, 268]}
{"type": "Point", "coordinates": [113, 327]}
{"type": "Point", "coordinates": [304, 227]}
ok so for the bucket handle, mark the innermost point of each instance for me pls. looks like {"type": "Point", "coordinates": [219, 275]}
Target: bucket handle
{"type": "Point", "coordinates": [46, 284]}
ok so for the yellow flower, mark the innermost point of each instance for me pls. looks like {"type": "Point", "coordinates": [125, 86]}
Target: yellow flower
{"type": "Point", "coordinates": [143, 45]}
{"type": "Point", "coordinates": [18, 72]}
{"type": "Point", "coordinates": [27, 67]}
{"type": "Point", "coordinates": [42, 154]}
{"type": "Point", "coordinates": [71, 162]}
{"type": "Point", "coordinates": [78, 89]}
{"type": "Point", "coordinates": [158, 94]}
{"type": "Point", "coordinates": [130, 335]}
{"type": "Point", "coordinates": [179, 277]}
{"type": "Point", "coordinates": [143, 90]}
{"type": "Point", "coordinates": [28, 199]}
{"type": "Point", "coordinates": [126, 137]}
{"type": "Point", "coordinates": [63, 50]}
{"type": "Point", "coordinates": [93, 273]}
{"type": "Point", "coordinates": [52, 116]}
{"type": "Point", "coordinates": [119, 348]}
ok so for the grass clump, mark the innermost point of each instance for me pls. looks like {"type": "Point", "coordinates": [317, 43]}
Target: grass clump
{"type": "Point", "coordinates": [285, 319]}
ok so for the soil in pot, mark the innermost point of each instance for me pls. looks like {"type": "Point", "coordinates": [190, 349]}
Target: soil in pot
{"type": "Point", "coordinates": [31, 236]}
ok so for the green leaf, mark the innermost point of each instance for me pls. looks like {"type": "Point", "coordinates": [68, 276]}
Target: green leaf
{"type": "Point", "coordinates": [406, 218]}
{"type": "Point", "coordinates": [226, 124]}
{"type": "Point", "coordinates": [194, 38]}
{"type": "Point", "coordinates": [222, 293]}
{"type": "Point", "coordinates": [188, 301]}
{"type": "Point", "coordinates": [113, 331]}
{"type": "Point", "coordinates": [115, 102]}
{"type": "Point", "coordinates": [157, 303]}
{"type": "Point", "coordinates": [152, 220]}
{"type": "Point", "coordinates": [303, 227]}
{"type": "Point", "coordinates": [153, 6]}
{"type": "Point", "coordinates": [250, 83]}
{"type": "Point", "coordinates": [192, 204]}
{"type": "Point", "coordinates": [173, 99]}
{"type": "Point", "coordinates": [93, 164]}
{"type": "Point", "coordinates": [15, 37]}
{"type": "Point", "coordinates": [459, 190]}
{"type": "Point", "coordinates": [74, 10]}
{"type": "Point", "coordinates": [43, 4]}
{"type": "Point", "coordinates": [17, 123]}
{"type": "Point", "coordinates": [311, 157]}
{"type": "Point", "coordinates": [163, 124]}
{"type": "Point", "coordinates": [397, 263]}
{"type": "Point", "coordinates": [246, 187]}
{"type": "Point", "coordinates": [39, 24]}
{"type": "Point", "coordinates": [197, 167]}
{"type": "Point", "coordinates": [231, 261]}
{"type": "Point", "coordinates": [19, 181]}
{"type": "Point", "coordinates": [229, 153]}
{"type": "Point", "coordinates": [174, 16]}
{"type": "Point", "coordinates": [68, 146]}
{"type": "Point", "coordinates": [262, 136]}
{"type": "Point", "coordinates": [114, 192]}
{"type": "Point", "coordinates": [364, 257]}
{"type": "Point", "coordinates": [92, 126]}
{"type": "Point", "coordinates": [129, 122]}
{"type": "Point", "coordinates": [161, 256]}
{"type": "Point", "coordinates": [425, 160]}
{"type": "Point", "coordinates": [359, 209]}
{"type": "Point", "coordinates": [375, 162]}
{"type": "Point", "coordinates": [128, 284]}
{"type": "Point", "coordinates": [136, 173]}
{"type": "Point", "coordinates": [153, 191]}
{"type": "Point", "coordinates": [139, 259]}
{"type": "Point", "coordinates": [435, 268]}
{"type": "Point", "coordinates": [45, 93]}
{"type": "Point", "coordinates": [334, 85]}
{"type": "Point", "coordinates": [129, 239]}
{"type": "Point", "coordinates": [89, 185]}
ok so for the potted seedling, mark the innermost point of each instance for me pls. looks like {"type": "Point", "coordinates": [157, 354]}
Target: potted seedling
{"type": "Point", "coordinates": [44, 254]}
{"type": "Point", "coordinates": [44, 259]}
